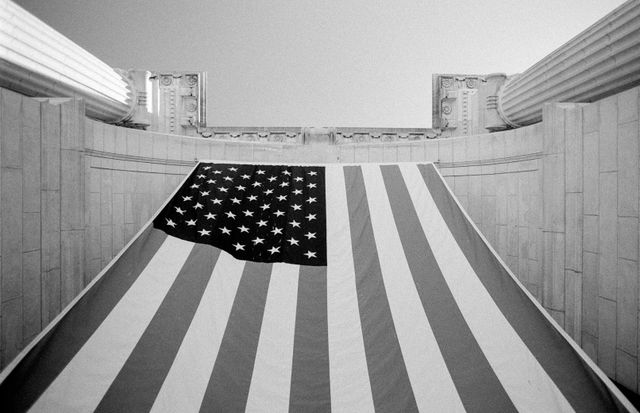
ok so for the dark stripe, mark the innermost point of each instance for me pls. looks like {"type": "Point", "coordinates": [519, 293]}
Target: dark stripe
{"type": "Point", "coordinates": [138, 383]}
{"type": "Point", "coordinates": [390, 385]}
{"type": "Point", "coordinates": [579, 384]}
{"type": "Point", "coordinates": [50, 356]}
{"type": "Point", "coordinates": [478, 386]}
{"type": "Point", "coordinates": [310, 388]}
{"type": "Point", "coordinates": [228, 387]}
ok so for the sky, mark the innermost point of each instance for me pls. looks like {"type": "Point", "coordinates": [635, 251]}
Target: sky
{"type": "Point", "coordinates": [343, 63]}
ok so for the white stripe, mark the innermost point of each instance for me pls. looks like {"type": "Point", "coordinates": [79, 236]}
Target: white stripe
{"type": "Point", "coordinates": [271, 379]}
{"type": "Point", "coordinates": [87, 377]}
{"type": "Point", "coordinates": [432, 384]}
{"type": "Point", "coordinates": [350, 385]}
{"type": "Point", "coordinates": [187, 380]}
{"type": "Point", "coordinates": [524, 380]}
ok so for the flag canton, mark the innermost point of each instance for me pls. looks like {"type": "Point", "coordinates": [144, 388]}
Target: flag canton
{"type": "Point", "coordinates": [264, 213]}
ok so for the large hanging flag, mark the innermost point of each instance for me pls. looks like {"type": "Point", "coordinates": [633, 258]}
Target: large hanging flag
{"type": "Point", "coordinates": [271, 288]}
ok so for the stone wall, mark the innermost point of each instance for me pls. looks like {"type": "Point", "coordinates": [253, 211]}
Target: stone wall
{"type": "Point", "coordinates": [558, 201]}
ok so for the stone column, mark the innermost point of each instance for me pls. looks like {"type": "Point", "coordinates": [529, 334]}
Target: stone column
{"type": "Point", "coordinates": [601, 61]}
{"type": "Point", "coordinates": [36, 60]}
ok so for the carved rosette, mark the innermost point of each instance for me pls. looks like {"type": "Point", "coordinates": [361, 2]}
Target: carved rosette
{"type": "Point", "coordinates": [166, 80]}
{"type": "Point", "coordinates": [191, 80]}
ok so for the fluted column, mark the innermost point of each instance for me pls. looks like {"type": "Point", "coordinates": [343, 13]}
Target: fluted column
{"type": "Point", "coordinates": [601, 61]}
{"type": "Point", "coordinates": [36, 60]}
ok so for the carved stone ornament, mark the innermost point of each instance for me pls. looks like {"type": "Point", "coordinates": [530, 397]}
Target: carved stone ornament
{"type": "Point", "coordinates": [191, 80]}
{"type": "Point", "coordinates": [446, 82]}
{"type": "Point", "coordinates": [471, 83]}
{"type": "Point", "coordinates": [166, 80]}
{"type": "Point", "coordinates": [446, 109]}
{"type": "Point", "coordinates": [191, 107]}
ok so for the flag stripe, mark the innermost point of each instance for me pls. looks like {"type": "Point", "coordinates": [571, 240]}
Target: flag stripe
{"type": "Point", "coordinates": [432, 384]}
{"type": "Point", "coordinates": [390, 384]}
{"type": "Point", "coordinates": [350, 386]}
{"type": "Point", "coordinates": [477, 384]}
{"type": "Point", "coordinates": [271, 379]}
{"type": "Point", "coordinates": [153, 355]}
{"type": "Point", "coordinates": [231, 377]}
{"type": "Point", "coordinates": [575, 379]}
{"type": "Point", "coordinates": [310, 387]}
{"type": "Point", "coordinates": [50, 356]}
{"type": "Point", "coordinates": [527, 384]}
{"type": "Point", "coordinates": [88, 375]}
{"type": "Point", "coordinates": [200, 346]}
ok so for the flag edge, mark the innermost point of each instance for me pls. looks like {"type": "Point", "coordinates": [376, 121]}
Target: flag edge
{"type": "Point", "coordinates": [14, 363]}
{"type": "Point", "coordinates": [597, 370]}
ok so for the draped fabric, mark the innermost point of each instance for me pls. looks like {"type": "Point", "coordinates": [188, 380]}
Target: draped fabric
{"type": "Point", "coordinates": [412, 310]}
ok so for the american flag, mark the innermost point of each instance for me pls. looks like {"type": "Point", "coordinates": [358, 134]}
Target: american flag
{"type": "Point", "coordinates": [226, 304]}
{"type": "Point", "coordinates": [263, 213]}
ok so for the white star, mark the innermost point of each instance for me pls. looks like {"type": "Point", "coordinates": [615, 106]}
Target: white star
{"type": "Point", "coordinates": [223, 189]}
{"type": "Point", "coordinates": [295, 224]}
{"type": "Point", "coordinates": [265, 207]}
{"type": "Point", "coordinates": [204, 193]}
{"type": "Point", "coordinates": [298, 178]}
{"type": "Point", "coordinates": [257, 241]}
{"type": "Point", "coordinates": [311, 217]}
{"type": "Point", "coordinates": [273, 250]}
{"type": "Point", "coordinates": [262, 223]}
{"type": "Point", "coordinates": [284, 184]}
{"type": "Point", "coordinates": [245, 176]}
{"type": "Point", "coordinates": [211, 181]}
{"type": "Point", "coordinates": [198, 206]}
{"type": "Point", "coordinates": [281, 197]}
{"type": "Point", "coordinates": [186, 198]}
{"type": "Point", "coordinates": [248, 213]}
{"type": "Point", "coordinates": [238, 246]}
{"type": "Point", "coordinates": [217, 172]}
{"type": "Point", "coordinates": [310, 235]}
{"type": "Point", "coordinates": [204, 232]}
{"type": "Point", "coordinates": [210, 216]}
{"type": "Point", "coordinates": [240, 188]}
{"type": "Point", "coordinates": [286, 172]}
{"type": "Point", "coordinates": [260, 172]}
{"type": "Point", "coordinates": [296, 207]}
{"type": "Point", "coordinates": [278, 213]}
{"type": "Point", "coordinates": [191, 222]}
{"type": "Point", "coordinates": [252, 197]}
{"type": "Point", "coordinates": [233, 169]}
{"type": "Point", "coordinates": [242, 228]}
{"type": "Point", "coordinates": [311, 200]}
{"type": "Point", "coordinates": [312, 173]}
{"type": "Point", "coordinates": [206, 168]}
{"type": "Point", "coordinates": [256, 183]}
{"type": "Point", "coordinates": [228, 178]}
{"type": "Point", "coordinates": [297, 191]}
{"type": "Point", "coordinates": [235, 200]}
{"type": "Point", "coordinates": [217, 201]}
{"type": "Point", "coordinates": [195, 186]}
{"type": "Point", "coordinates": [170, 223]}
{"type": "Point", "coordinates": [268, 192]}
{"type": "Point", "coordinates": [311, 185]}
{"type": "Point", "coordinates": [179, 211]}
{"type": "Point", "coordinates": [225, 230]}
{"type": "Point", "coordinates": [276, 231]}
{"type": "Point", "coordinates": [201, 176]}
{"type": "Point", "coordinates": [310, 254]}
{"type": "Point", "coordinates": [293, 241]}
{"type": "Point", "coordinates": [272, 178]}
{"type": "Point", "coordinates": [230, 215]}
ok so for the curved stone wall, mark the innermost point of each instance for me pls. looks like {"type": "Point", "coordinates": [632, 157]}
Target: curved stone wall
{"type": "Point", "coordinates": [558, 201]}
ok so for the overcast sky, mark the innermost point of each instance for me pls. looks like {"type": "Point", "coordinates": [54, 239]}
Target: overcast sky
{"type": "Point", "coordinates": [321, 63]}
